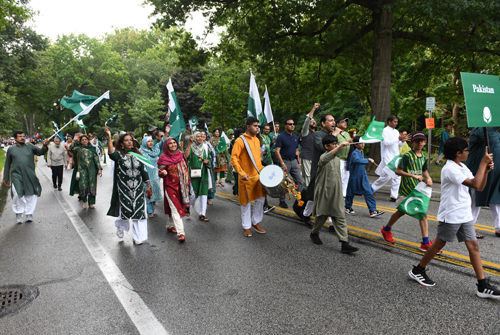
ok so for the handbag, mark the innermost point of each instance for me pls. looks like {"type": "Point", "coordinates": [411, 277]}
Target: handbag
{"type": "Point", "coordinates": [195, 173]}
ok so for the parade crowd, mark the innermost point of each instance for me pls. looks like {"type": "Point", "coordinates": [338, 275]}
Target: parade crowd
{"type": "Point", "coordinates": [326, 167]}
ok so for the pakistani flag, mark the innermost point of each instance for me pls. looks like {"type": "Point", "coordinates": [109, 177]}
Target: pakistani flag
{"type": "Point", "coordinates": [80, 103]}
{"type": "Point", "coordinates": [222, 146]}
{"type": "Point", "coordinates": [417, 202]}
{"type": "Point", "coordinates": [144, 160]}
{"type": "Point", "coordinates": [112, 119]}
{"type": "Point", "coordinates": [391, 167]}
{"type": "Point", "coordinates": [80, 124]}
{"type": "Point", "coordinates": [176, 120]}
{"type": "Point", "coordinates": [254, 105]}
{"type": "Point", "coordinates": [206, 127]}
{"type": "Point", "coordinates": [57, 132]}
{"type": "Point", "coordinates": [268, 112]}
{"type": "Point", "coordinates": [193, 122]}
{"type": "Point", "coordinates": [373, 133]}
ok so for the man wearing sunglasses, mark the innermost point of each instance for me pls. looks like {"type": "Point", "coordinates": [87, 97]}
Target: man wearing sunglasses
{"type": "Point", "coordinates": [287, 151]}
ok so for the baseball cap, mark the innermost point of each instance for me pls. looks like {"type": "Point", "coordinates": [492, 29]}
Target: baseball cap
{"type": "Point", "coordinates": [343, 119]}
{"type": "Point", "coordinates": [418, 135]}
{"type": "Point", "coordinates": [153, 128]}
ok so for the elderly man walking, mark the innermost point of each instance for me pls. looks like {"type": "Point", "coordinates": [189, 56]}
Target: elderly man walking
{"type": "Point", "coordinates": [20, 167]}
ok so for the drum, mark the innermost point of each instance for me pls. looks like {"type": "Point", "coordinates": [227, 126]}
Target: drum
{"type": "Point", "coordinates": [272, 178]}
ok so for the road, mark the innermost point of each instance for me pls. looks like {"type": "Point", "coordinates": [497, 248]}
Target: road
{"type": "Point", "coordinates": [220, 282]}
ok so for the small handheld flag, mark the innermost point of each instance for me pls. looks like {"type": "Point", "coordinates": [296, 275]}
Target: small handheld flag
{"type": "Point", "coordinates": [112, 119]}
{"type": "Point", "coordinates": [193, 122]}
{"type": "Point", "coordinates": [417, 202]}
{"type": "Point", "coordinates": [373, 133]}
{"type": "Point", "coordinates": [391, 167]}
{"type": "Point", "coordinates": [176, 120]}
{"type": "Point", "coordinates": [144, 160]}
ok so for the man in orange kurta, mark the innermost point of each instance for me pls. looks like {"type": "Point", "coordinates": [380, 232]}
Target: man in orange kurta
{"type": "Point", "coordinates": [249, 186]}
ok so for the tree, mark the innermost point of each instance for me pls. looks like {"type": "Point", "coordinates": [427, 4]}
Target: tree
{"type": "Point", "coordinates": [326, 30]}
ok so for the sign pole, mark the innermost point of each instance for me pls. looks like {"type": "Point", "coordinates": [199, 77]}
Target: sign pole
{"type": "Point", "coordinates": [430, 105]}
{"type": "Point", "coordinates": [486, 138]}
{"type": "Point", "coordinates": [429, 146]}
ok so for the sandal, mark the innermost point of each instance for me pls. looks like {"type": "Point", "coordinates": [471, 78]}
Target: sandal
{"type": "Point", "coordinates": [209, 203]}
{"type": "Point", "coordinates": [217, 184]}
{"type": "Point", "coordinates": [84, 205]}
{"type": "Point", "coordinates": [221, 184]}
{"type": "Point", "coordinates": [203, 218]}
{"type": "Point", "coordinates": [172, 230]}
{"type": "Point", "coordinates": [91, 207]}
{"type": "Point", "coordinates": [479, 236]}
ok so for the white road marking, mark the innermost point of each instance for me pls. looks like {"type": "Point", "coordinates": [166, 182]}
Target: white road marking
{"type": "Point", "coordinates": [142, 317]}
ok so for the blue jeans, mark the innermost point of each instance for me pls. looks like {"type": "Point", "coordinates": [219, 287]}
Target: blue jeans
{"type": "Point", "coordinates": [370, 202]}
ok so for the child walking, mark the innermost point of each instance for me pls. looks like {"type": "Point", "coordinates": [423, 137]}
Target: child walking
{"type": "Point", "coordinates": [413, 169]}
{"type": "Point", "coordinates": [358, 181]}
{"type": "Point", "coordinates": [328, 199]}
{"type": "Point", "coordinates": [455, 214]}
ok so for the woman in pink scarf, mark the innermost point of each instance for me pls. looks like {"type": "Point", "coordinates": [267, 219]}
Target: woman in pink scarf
{"type": "Point", "coordinates": [174, 170]}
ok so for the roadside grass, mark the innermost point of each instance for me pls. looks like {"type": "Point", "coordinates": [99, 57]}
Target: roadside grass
{"type": "Point", "coordinates": [2, 159]}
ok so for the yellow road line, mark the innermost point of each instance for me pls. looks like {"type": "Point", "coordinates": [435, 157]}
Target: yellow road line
{"type": "Point", "coordinates": [492, 268]}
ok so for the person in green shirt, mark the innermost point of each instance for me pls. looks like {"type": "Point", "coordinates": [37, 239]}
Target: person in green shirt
{"type": "Point", "coordinates": [20, 169]}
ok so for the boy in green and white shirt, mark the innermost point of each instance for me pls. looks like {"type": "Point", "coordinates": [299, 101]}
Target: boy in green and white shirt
{"type": "Point", "coordinates": [413, 169]}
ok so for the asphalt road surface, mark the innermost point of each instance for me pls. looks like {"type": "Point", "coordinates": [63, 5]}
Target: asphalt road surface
{"type": "Point", "coordinates": [220, 282]}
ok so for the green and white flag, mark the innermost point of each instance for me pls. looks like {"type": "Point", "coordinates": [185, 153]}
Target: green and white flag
{"type": "Point", "coordinates": [80, 124]}
{"type": "Point", "coordinates": [193, 122]}
{"type": "Point", "coordinates": [112, 119]}
{"type": "Point", "coordinates": [176, 120]}
{"type": "Point", "coordinates": [228, 141]}
{"type": "Point", "coordinates": [417, 202]}
{"type": "Point", "coordinates": [82, 104]}
{"type": "Point", "coordinates": [144, 160]}
{"type": "Point", "coordinates": [254, 104]}
{"type": "Point", "coordinates": [391, 167]}
{"type": "Point", "coordinates": [222, 146]}
{"type": "Point", "coordinates": [268, 112]}
{"type": "Point", "coordinates": [206, 127]}
{"type": "Point", "coordinates": [57, 132]}
{"type": "Point", "coordinates": [373, 133]}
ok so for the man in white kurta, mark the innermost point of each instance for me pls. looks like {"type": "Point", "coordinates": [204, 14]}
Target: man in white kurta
{"type": "Point", "coordinates": [389, 149]}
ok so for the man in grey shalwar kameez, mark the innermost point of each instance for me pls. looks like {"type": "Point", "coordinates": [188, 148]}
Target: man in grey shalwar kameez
{"type": "Point", "coordinates": [20, 167]}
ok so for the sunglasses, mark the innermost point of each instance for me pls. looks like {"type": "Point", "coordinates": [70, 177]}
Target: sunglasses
{"type": "Point", "coordinates": [290, 124]}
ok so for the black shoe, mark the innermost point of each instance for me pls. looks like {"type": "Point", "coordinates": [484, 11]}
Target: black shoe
{"type": "Point", "coordinates": [268, 209]}
{"type": "Point", "coordinates": [316, 239]}
{"type": "Point", "coordinates": [420, 276]}
{"type": "Point", "coordinates": [55, 186]}
{"type": "Point", "coordinates": [307, 221]}
{"type": "Point", "coordinates": [347, 248]}
{"type": "Point", "coordinates": [350, 211]}
{"type": "Point", "coordinates": [393, 199]}
{"type": "Point", "coordinates": [488, 291]}
{"type": "Point", "coordinates": [283, 205]}
{"type": "Point", "coordinates": [59, 189]}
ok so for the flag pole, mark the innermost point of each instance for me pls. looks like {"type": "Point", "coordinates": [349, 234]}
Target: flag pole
{"type": "Point", "coordinates": [64, 126]}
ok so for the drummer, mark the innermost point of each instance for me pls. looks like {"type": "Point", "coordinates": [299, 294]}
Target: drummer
{"type": "Point", "coordinates": [249, 186]}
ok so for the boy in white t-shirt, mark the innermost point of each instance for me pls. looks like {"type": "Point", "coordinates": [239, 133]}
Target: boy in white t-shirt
{"type": "Point", "coordinates": [455, 215]}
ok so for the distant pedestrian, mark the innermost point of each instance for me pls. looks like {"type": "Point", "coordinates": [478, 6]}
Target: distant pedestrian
{"type": "Point", "coordinates": [175, 174]}
{"type": "Point", "coordinates": [56, 161]}
{"type": "Point", "coordinates": [445, 135]}
{"type": "Point", "coordinates": [455, 216]}
{"type": "Point", "coordinates": [153, 152]}
{"type": "Point", "coordinates": [307, 147]}
{"type": "Point", "coordinates": [328, 199]}
{"type": "Point", "coordinates": [128, 200]}
{"type": "Point", "coordinates": [343, 136]}
{"type": "Point", "coordinates": [20, 169]}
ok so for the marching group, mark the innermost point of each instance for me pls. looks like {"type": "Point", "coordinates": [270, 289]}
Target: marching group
{"type": "Point", "coordinates": [328, 171]}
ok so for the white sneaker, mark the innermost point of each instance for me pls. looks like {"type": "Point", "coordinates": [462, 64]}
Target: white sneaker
{"type": "Point", "coordinates": [119, 233]}
{"type": "Point", "coordinates": [29, 218]}
{"type": "Point", "coordinates": [19, 218]}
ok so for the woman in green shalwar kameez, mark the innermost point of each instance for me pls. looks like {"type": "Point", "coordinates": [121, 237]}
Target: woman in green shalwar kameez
{"type": "Point", "coordinates": [198, 156]}
{"type": "Point", "coordinates": [88, 166]}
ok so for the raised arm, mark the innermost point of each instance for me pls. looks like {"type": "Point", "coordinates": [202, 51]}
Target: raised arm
{"type": "Point", "coordinates": [110, 141]}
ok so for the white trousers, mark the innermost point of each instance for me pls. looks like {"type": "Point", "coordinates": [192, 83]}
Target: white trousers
{"type": "Point", "coordinates": [306, 172]}
{"type": "Point", "coordinates": [494, 208]}
{"type": "Point", "coordinates": [344, 174]}
{"type": "Point", "coordinates": [25, 204]}
{"type": "Point", "coordinates": [258, 213]}
{"type": "Point", "coordinates": [175, 219]}
{"type": "Point", "coordinates": [309, 208]}
{"type": "Point", "coordinates": [140, 230]}
{"type": "Point", "coordinates": [382, 180]}
{"type": "Point", "coordinates": [198, 204]}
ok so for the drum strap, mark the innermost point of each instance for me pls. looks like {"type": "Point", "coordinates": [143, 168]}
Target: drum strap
{"type": "Point", "coordinates": [249, 152]}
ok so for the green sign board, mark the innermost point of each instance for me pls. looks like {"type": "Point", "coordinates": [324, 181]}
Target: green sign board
{"type": "Point", "coordinates": [482, 99]}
